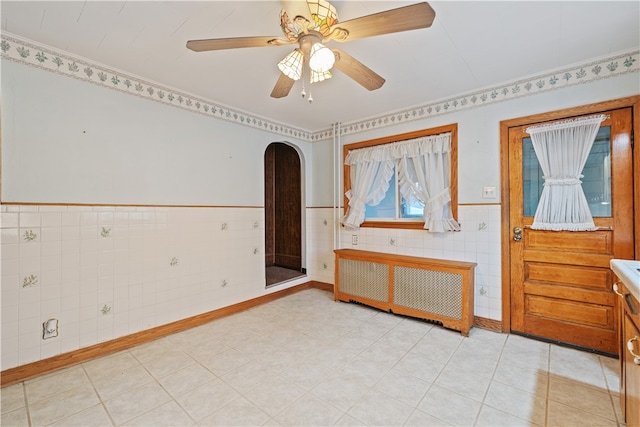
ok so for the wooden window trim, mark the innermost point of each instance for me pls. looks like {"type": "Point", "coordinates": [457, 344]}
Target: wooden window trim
{"type": "Point", "coordinates": [406, 224]}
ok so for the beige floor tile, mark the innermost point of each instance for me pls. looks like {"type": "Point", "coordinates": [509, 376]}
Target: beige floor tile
{"type": "Point", "coordinates": [239, 412]}
{"type": "Point", "coordinates": [402, 339]}
{"type": "Point", "coordinates": [274, 394]}
{"type": "Point", "coordinates": [405, 388]}
{"type": "Point", "coordinates": [169, 414]}
{"type": "Point", "coordinates": [167, 363]}
{"type": "Point", "coordinates": [611, 369]}
{"type": "Point", "coordinates": [435, 350]}
{"type": "Point", "coordinates": [151, 350]}
{"type": "Point", "coordinates": [121, 382]}
{"type": "Point", "coordinates": [526, 353]}
{"type": "Point", "coordinates": [475, 346]}
{"type": "Point", "coordinates": [245, 377]}
{"type": "Point", "coordinates": [469, 385]}
{"type": "Point", "coordinates": [308, 411]}
{"type": "Point", "coordinates": [419, 366]}
{"type": "Point", "coordinates": [585, 398]}
{"type": "Point", "coordinates": [279, 360]}
{"type": "Point", "coordinates": [576, 365]}
{"type": "Point", "coordinates": [347, 420]}
{"type": "Point", "coordinates": [526, 406]}
{"type": "Point", "coordinates": [527, 379]}
{"type": "Point", "coordinates": [112, 364]}
{"type": "Point", "coordinates": [352, 343]}
{"type": "Point", "coordinates": [15, 418]}
{"type": "Point", "coordinates": [560, 415]}
{"type": "Point", "coordinates": [449, 406]}
{"type": "Point", "coordinates": [57, 382]}
{"type": "Point", "coordinates": [383, 353]}
{"type": "Point", "coordinates": [470, 363]}
{"type": "Point", "coordinates": [422, 419]}
{"type": "Point", "coordinates": [185, 380]}
{"type": "Point", "coordinates": [308, 360]}
{"type": "Point", "coordinates": [417, 327]}
{"type": "Point", "coordinates": [226, 361]}
{"type": "Point", "coordinates": [307, 373]}
{"type": "Point", "coordinates": [136, 402]}
{"type": "Point", "coordinates": [206, 399]}
{"type": "Point", "coordinates": [491, 417]}
{"type": "Point", "coordinates": [94, 416]}
{"type": "Point", "coordinates": [378, 409]}
{"type": "Point", "coordinates": [62, 404]}
{"type": "Point", "coordinates": [12, 397]}
{"type": "Point", "coordinates": [363, 370]}
{"type": "Point", "coordinates": [340, 392]}
{"type": "Point", "coordinates": [204, 349]}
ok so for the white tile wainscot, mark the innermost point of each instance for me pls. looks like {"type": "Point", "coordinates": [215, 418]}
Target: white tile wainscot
{"type": "Point", "coordinates": [105, 272]}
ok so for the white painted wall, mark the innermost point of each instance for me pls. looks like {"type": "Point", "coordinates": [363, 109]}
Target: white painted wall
{"type": "Point", "coordinates": [66, 141]}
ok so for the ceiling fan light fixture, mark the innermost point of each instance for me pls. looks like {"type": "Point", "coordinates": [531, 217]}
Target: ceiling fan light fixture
{"type": "Point", "coordinates": [324, 15]}
{"type": "Point", "coordinates": [321, 58]}
{"type": "Point", "coordinates": [319, 77]}
{"type": "Point", "coordinates": [291, 65]}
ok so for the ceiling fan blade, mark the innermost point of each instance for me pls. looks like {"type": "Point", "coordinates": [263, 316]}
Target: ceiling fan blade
{"type": "Point", "coordinates": [296, 8]}
{"type": "Point", "coordinates": [357, 71]}
{"type": "Point", "coordinates": [283, 86]}
{"type": "Point", "coordinates": [412, 17]}
{"type": "Point", "coordinates": [235, 43]}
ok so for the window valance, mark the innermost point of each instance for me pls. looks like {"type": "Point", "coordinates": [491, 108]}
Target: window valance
{"type": "Point", "coordinates": [424, 170]}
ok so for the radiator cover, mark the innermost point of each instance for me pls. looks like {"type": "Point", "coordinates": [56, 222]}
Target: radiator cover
{"type": "Point", "coordinates": [427, 288]}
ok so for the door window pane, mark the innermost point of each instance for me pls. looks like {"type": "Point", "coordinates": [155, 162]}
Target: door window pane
{"type": "Point", "coordinates": [596, 182]}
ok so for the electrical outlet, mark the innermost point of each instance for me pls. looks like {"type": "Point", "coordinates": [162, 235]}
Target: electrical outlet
{"type": "Point", "coordinates": [354, 239]}
{"type": "Point", "coordinates": [489, 193]}
{"type": "Point", "coordinates": [50, 329]}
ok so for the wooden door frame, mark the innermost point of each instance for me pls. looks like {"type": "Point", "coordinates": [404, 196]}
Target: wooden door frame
{"type": "Point", "coordinates": [633, 102]}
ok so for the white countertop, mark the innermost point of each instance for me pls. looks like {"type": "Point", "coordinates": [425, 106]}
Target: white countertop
{"type": "Point", "coordinates": [629, 272]}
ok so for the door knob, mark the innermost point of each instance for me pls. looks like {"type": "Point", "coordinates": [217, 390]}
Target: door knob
{"type": "Point", "coordinates": [517, 234]}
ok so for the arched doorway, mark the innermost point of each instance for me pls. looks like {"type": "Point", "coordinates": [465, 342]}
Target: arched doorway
{"type": "Point", "coordinates": [283, 213]}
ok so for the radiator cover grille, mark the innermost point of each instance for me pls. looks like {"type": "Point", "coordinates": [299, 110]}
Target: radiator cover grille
{"type": "Point", "coordinates": [427, 290]}
{"type": "Point", "coordinates": [365, 279]}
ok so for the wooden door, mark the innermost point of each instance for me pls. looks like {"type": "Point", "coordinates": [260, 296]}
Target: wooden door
{"type": "Point", "coordinates": [283, 207]}
{"type": "Point", "coordinates": [561, 284]}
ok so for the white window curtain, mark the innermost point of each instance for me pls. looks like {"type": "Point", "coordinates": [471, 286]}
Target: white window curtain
{"type": "Point", "coordinates": [424, 173]}
{"type": "Point", "coordinates": [562, 149]}
{"type": "Point", "coordinates": [370, 174]}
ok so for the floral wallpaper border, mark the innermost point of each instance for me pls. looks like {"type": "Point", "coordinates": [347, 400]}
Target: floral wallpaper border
{"type": "Point", "coordinates": [46, 58]}
{"type": "Point", "coordinates": [611, 66]}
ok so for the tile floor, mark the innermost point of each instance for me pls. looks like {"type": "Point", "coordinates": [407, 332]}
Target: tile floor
{"type": "Point", "coordinates": [307, 360]}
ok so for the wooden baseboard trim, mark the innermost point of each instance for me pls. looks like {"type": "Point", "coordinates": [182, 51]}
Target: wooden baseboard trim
{"type": "Point", "coordinates": [490, 324]}
{"type": "Point", "coordinates": [44, 366]}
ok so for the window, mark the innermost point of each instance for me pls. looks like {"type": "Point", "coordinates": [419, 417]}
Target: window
{"type": "Point", "coordinates": [596, 182]}
{"type": "Point", "coordinates": [394, 206]}
{"type": "Point", "coordinates": [397, 180]}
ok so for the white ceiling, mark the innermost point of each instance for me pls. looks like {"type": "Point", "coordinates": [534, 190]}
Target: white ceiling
{"type": "Point", "coordinates": [471, 45]}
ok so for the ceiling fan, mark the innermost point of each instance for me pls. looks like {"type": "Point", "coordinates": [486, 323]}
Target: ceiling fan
{"type": "Point", "coordinates": [311, 23]}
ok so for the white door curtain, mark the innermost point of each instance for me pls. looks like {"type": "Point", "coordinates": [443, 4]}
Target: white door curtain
{"type": "Point", "coordinates": [424, 170]}
{"type": "Point", "coordinates": [562, 149]}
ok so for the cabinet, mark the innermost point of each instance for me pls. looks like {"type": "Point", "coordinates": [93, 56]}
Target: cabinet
{"type": "Point", "coordinates": [629, 356]}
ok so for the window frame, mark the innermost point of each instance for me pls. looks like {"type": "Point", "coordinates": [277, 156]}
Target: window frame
{"type": "Point", "coordinates": [405, 223]}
